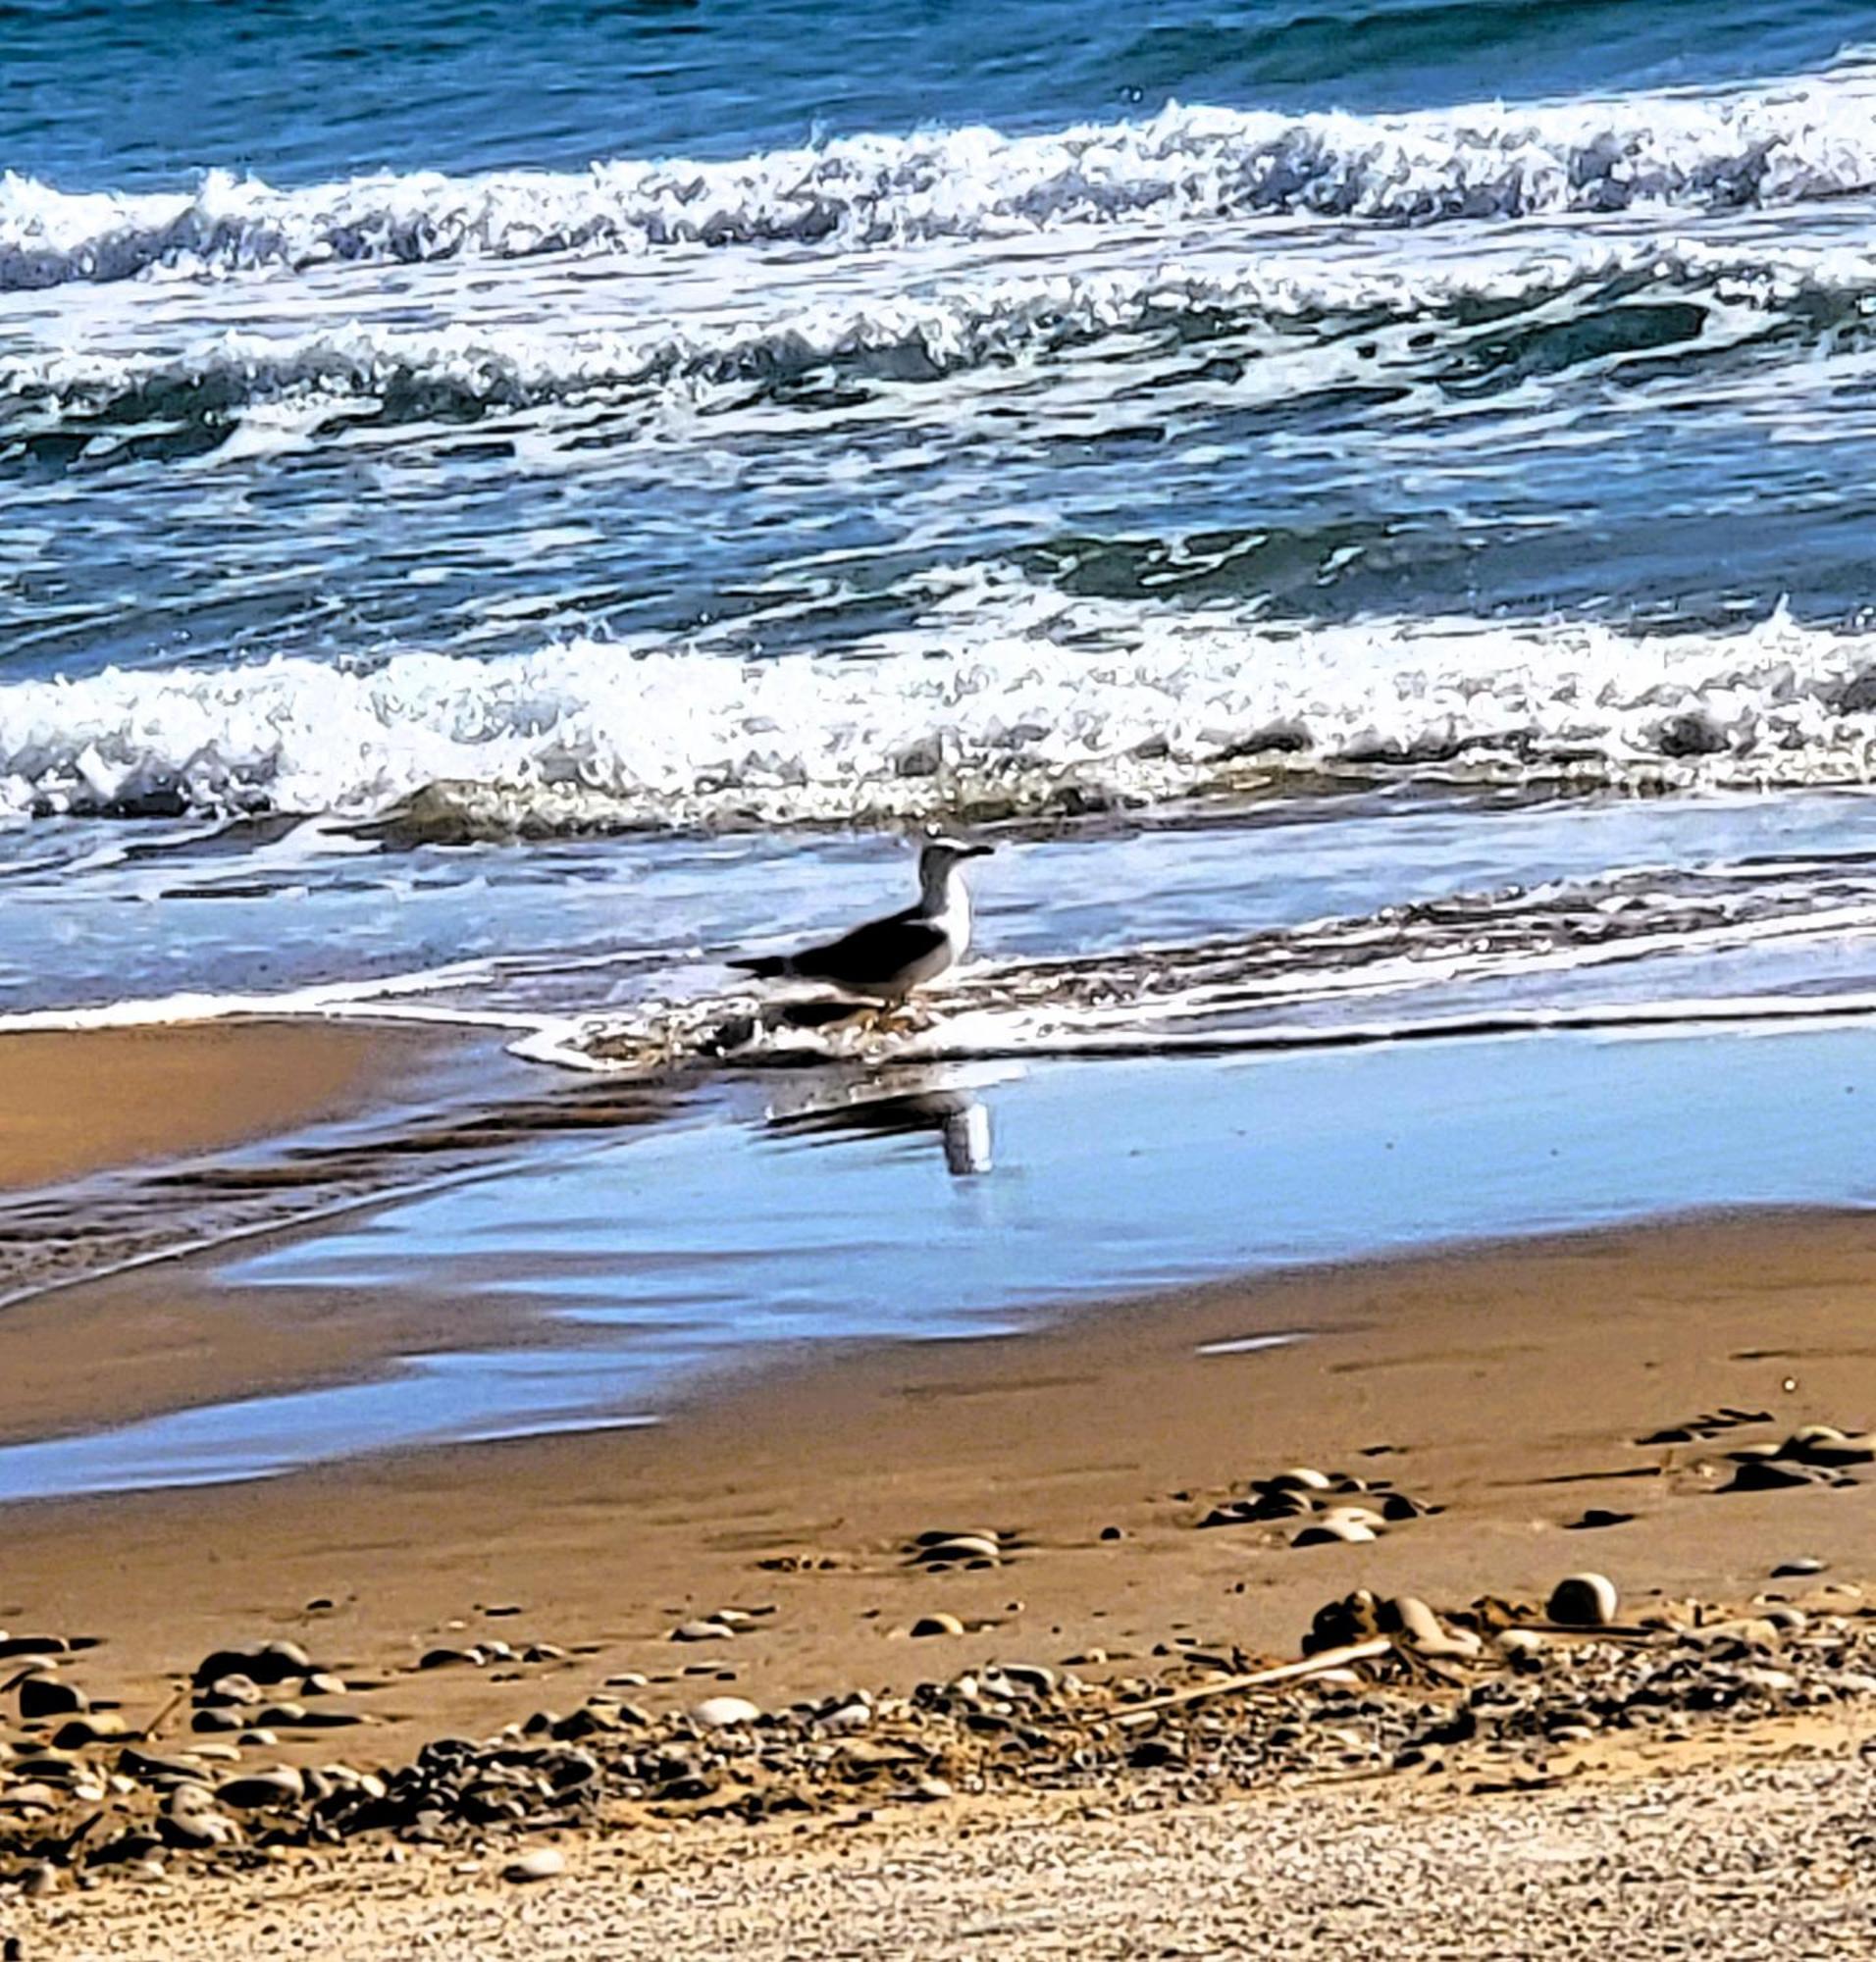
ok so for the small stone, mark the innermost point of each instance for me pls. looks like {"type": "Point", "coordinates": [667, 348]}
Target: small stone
{"type": "Point", "coordinates": [77, 1733]}
{"type": "Point", "coordinates": [1792, 1570]}
{"type": "Point", "coordinates": [39, 1880]}
{"type": "Point", "coordinates": [723, 1713]}
{"type": "Point", "coordinates": [1769, 1474]}
{"type": "Point", "coordinates": [930, 1789]}
{"type": "Point", "coordinates": [1298, 1478]}
{"type": "Point", "coordinates": [537, 1863]}
{"type": "Point", "coordinates": [1597, 1516]}
{"type": "Point", "coordinates": [1354, 1515]}
{"type": "Point", "coordinates": [937, 1625]}
{"type": "Point", "coordinates": [284, 1785]}
{"type": "Point", "coordinates": [848, 1720]}
{"type": "Point", "coordinates": [1333, 1531]}
{"type": "Point", "coordinates": [702, 1631]}
{"type": "Point", "coordinates": [965, 1549]}
{"type": "Point", "coordinates": [230, 1691]}
{"type": "Point", "coordinates": [1112, 1532]}
{"type": "Point", "coordinates": [1423, 1629]}
{"type": "Point", "coordinates": [1583, 1601]}
{"type": "Point", "coordinates": [42, 1696]}
{"type": "Point", "coordinates": [451, 1659]}
{"type": "Point", "coordinates": [1825, 1444]}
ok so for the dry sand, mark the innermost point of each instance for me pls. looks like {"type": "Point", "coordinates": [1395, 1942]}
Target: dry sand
{"type": "Point", "coordinates": [1763, 1854]}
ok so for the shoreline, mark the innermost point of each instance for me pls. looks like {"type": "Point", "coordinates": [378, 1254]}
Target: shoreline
{"type": "Point", "coordinates": [83, 1101]}
{"type": "Point", "coordinates": [799, 1488]}
{"type": "Point", "coordinates": [1517, 1410]}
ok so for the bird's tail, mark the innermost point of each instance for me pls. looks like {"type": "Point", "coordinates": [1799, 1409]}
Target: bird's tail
{"type": "Point", "coordinates": [765, 966]}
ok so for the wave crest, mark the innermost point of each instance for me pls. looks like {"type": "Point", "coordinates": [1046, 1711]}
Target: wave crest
{"type": "Point", "coordinates": [1011, 700]}
{"type": "Point", "coordinates": [1814, 137]}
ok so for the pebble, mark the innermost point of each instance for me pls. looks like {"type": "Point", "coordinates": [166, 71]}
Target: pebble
{"type": "Point", "coordinates": [1825, 1444]}
{"type": "Point", "coordinates": [1331, 1531]}
{"type": "Point", "coordinates": [721, 1713]}
{"type": "Point", "coordinates": [33, 1645]}
{"type": "Point", "coordinates": [702, 1631]}
{"type": "Point", "coordinates": [1770, 1474]}
{"type": "Point", "coordinates": [537, 1863]}
{"type": "Point", "coordinates": [1583, 1601]}
{"type": "Point", "coordinates": [937, 1625]}
{"type": "Point", "coordinates": [973, 1548]}
{"type": "Point", "coordinates": [271, 1663]}
{"type": "Point", "coordinates": [77, 1733]}
{"type": "Point", "coordinates": [1804, 1563]}
{"type": "Point", "coordinates": [1298, 1478]}
{"type": "Point", "coordinates": [42, 1696]}
{"type": "Point", "coordinates": [279, 1786]}
{"type": "Point", "coordinates": [451, 1659]}
{"type": "Point", "coordinates": [1424, 1630]}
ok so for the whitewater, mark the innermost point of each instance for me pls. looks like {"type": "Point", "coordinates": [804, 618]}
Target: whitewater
{"type": "Point", "coordinates": [1772, 146]}
{"type": "Point", "coordinates": [444, 539]}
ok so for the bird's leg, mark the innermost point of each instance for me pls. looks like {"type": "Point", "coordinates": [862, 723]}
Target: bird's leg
{"type": "Point", "coordinates": [899, 1018]}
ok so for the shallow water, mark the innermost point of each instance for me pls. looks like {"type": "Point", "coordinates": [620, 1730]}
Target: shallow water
{"type": "Point", "coordinates": [648, 1267]}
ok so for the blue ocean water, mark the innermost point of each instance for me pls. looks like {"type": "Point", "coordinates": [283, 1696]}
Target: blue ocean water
{"type": "Point", "coordinates": [1368, 501]}
{"type": "Point", "coordinates": [437, 439]}
{"type": "Point", "coordinates": [137, 94]}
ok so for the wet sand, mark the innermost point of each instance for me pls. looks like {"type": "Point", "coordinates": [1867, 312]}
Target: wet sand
{"type": "Point", "coordinates": [1506, 1387]}
{"type": "Point", "coordinates": [1552, 1405]}
{"type": "Point", "coordinates": [87, 1100]}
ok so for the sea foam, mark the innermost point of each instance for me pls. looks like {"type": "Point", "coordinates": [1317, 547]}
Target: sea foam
{"type": "Point", "coordinates": [1007, 698]}
{"type": "Point", "coordinates": [1772, 144]}
{"type": "Point", "coordinates": [957, 319]}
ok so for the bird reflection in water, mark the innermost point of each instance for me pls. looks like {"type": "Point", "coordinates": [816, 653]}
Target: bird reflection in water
{"type": "Point", "coordinates": [897, 1103]}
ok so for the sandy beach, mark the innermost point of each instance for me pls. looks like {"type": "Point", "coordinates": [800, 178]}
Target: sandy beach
{"type": "Point", "coordinates": [87, 1100]}
{"type": "Point", "coordinates": [937, 980]}
{"type": "Point", "coordinates": [1530, 1409]}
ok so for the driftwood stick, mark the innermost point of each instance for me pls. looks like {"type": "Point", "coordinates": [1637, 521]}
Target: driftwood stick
{"type": "Point", "coordinates": [1260, 1679]}
{"type": "Point", "coordinates": [164, 1714]}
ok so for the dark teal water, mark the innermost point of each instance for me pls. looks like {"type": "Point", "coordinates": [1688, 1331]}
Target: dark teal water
{"type": "Point", "coordinates": [124, 95]}
{"type": "Point", "coordinates": [574, 418]}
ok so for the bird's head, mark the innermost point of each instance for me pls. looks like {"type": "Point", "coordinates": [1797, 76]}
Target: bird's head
{"type": "Point", "coordinates": [942, 857]}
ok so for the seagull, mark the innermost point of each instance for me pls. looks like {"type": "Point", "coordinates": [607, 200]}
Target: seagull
{"type": "Point", "coordinates": [885, 959]}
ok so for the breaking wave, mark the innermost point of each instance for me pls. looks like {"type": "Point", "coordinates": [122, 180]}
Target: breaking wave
{"type": "Point", "coordinates": [1641, 290]}
{"type": "Point", "coordinates": [1808, 138]}
{"type": "Point", "coordinates": [1007, 699]}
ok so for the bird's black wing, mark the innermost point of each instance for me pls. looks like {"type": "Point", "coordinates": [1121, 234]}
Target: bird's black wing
{"type": "Point", "coordinates": [874, 951]}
